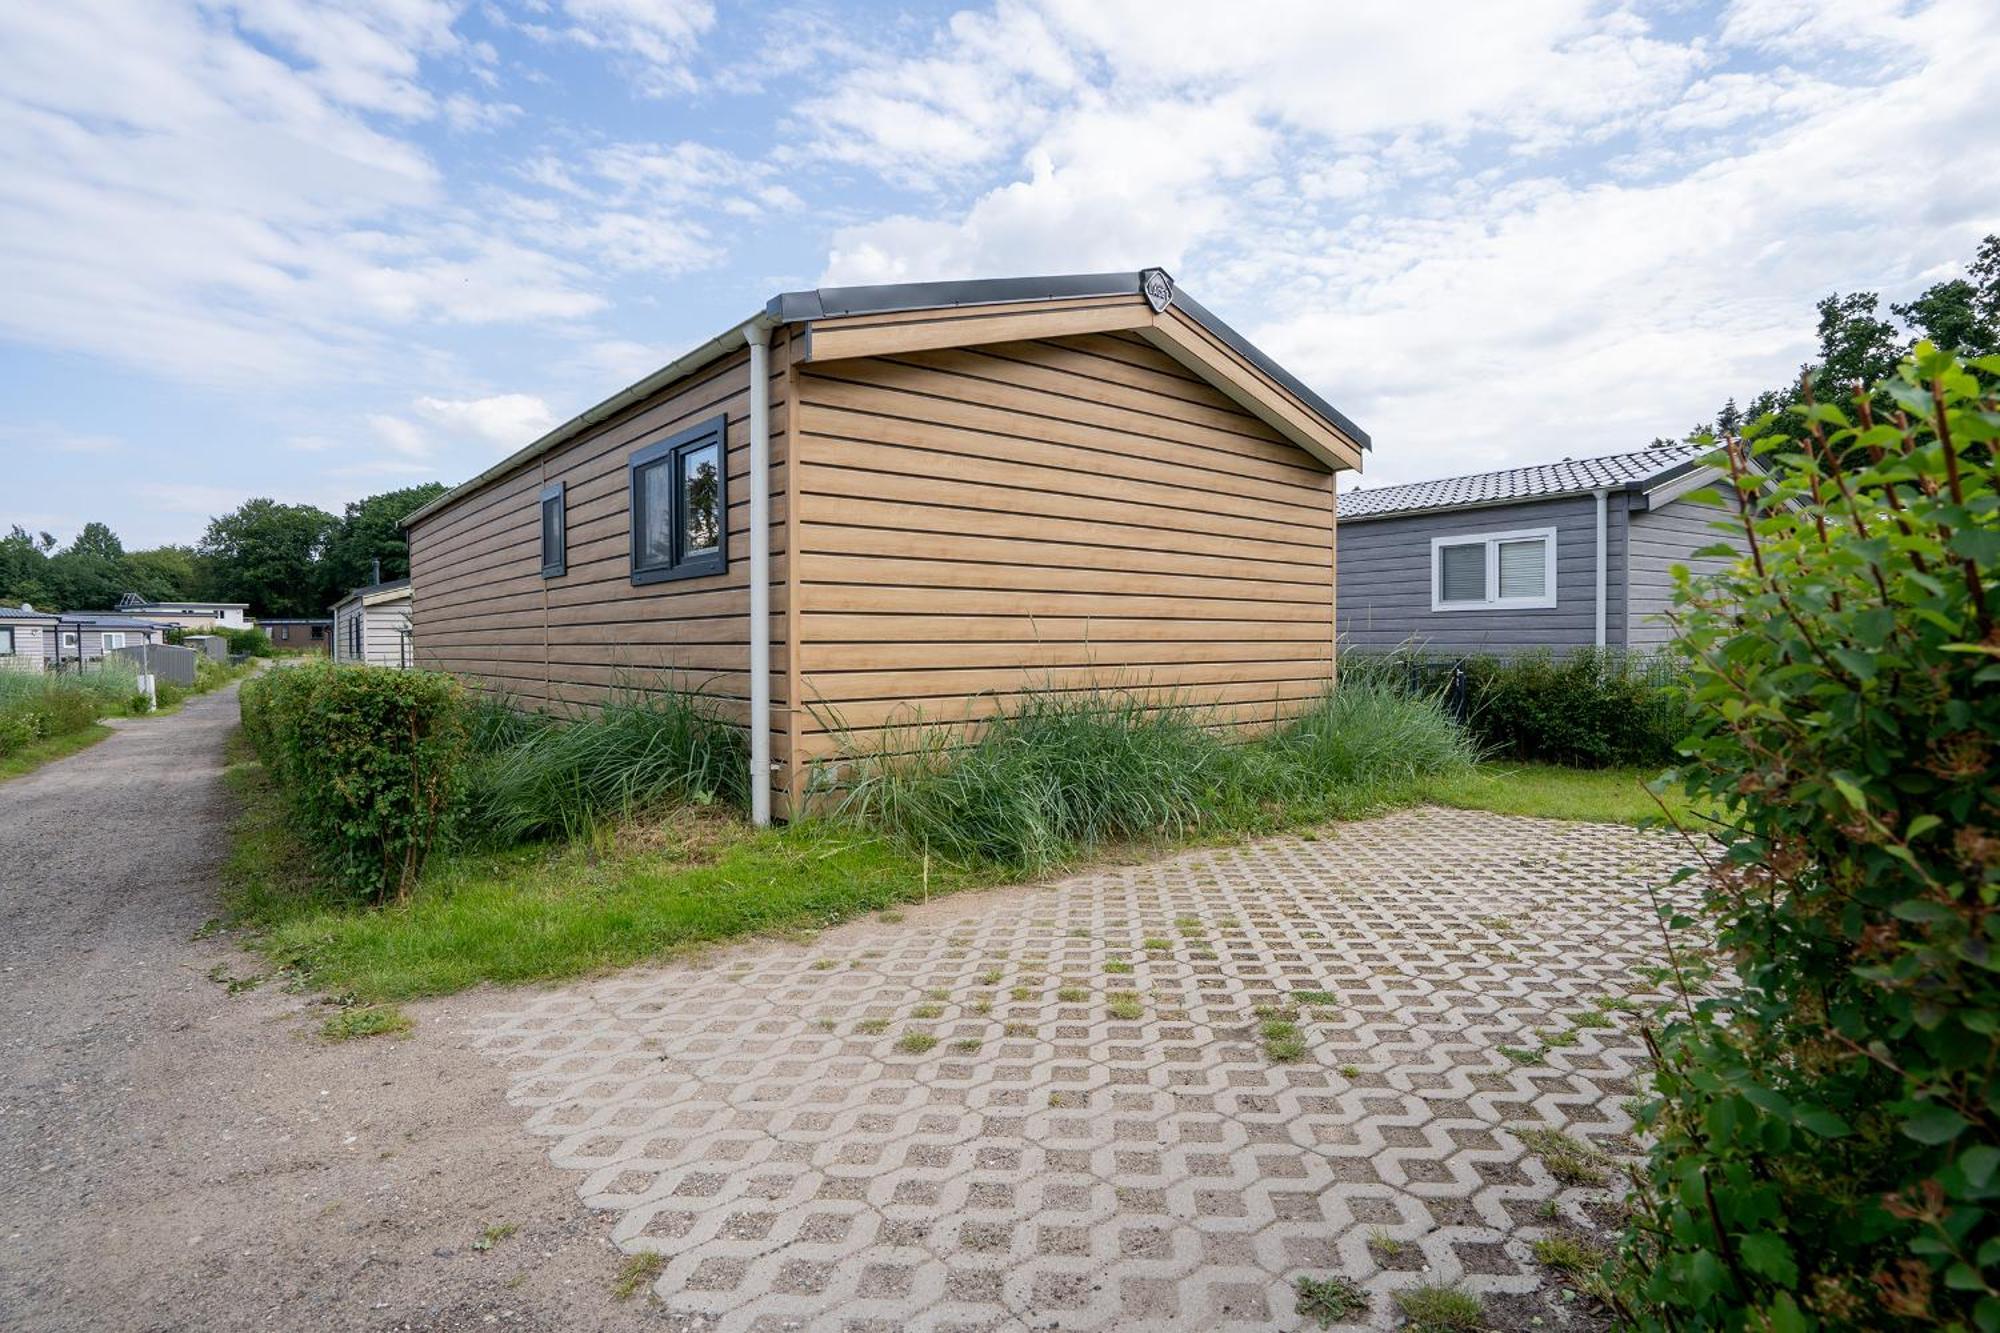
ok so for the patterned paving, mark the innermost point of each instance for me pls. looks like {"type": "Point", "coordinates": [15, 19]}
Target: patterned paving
{"type": "Point", "coordinates": [1060, 1107]}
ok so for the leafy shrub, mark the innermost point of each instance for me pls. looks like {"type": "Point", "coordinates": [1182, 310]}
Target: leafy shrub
{"type": "Point", "coordinates": [254, 642]}
{"type": "Point", "coordinates": [18, 730]}
{"type": "Point", "coordinates": [1594, 708]}
{"type": "Point", "coordinates": [370, 760]}
{"type": "Point", "coordinates": [541, 777]}
{"type": "Point", "coordinates": [1827, 1135]}
{"type": "Point", "coordinates": [1066, 773]}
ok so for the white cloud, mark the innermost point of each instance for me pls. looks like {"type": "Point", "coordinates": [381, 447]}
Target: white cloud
{"type": "Point", "coordinates": [1420, 221]}
{"type": "Point", "coordinates": [511, 419]}
{"type": "Point", "coordinates": [175, 196]}
{"type": "Point", "coordinates": [469, 114]}
{"type": "Point", "coordinates": [402, 436]}
{"type": "Point", "coordinates": [654, 38]}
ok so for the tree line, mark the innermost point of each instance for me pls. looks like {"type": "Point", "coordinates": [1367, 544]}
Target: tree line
{"type": "Point", "coordinates": [282, 559]}
{"type": "Point", "coordinates": [1859, 344]}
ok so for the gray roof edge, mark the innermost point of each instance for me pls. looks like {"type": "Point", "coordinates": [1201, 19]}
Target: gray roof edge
{"type": "Point", "coordinates": [1630, 485]}
{"type": "Point", "coordinates": [888, 298]}
{"type": "Point", "coordinates": [1250, 352]}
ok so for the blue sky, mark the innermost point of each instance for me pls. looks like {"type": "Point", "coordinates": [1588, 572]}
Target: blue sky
{"type": "Point", "coordinates": [316, 249]}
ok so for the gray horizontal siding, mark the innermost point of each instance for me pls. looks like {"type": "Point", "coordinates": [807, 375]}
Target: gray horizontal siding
{"type": "Point", "coordinates": [1385, 581]}
{"type": "Point", "coordinates": [1661, 539]}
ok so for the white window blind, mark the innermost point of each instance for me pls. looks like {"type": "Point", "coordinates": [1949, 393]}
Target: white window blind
{"type": "Point", "coordinates": [1524, 568]}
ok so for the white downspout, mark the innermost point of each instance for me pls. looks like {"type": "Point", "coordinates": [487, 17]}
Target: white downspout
{"type": "Point", "coordinates": [758, 334]}
{"type": "Point", "coordinates": [1603, 562]}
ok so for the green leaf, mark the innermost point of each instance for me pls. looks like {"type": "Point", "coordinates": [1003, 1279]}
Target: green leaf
{"type": "Point", "coordinates": [1846, 787]}
{"type": "Point", "coordinates": [1935, 1124]}
{"type": "Point", "coordinates": [1766, 1254]}
{"type": "Point", "coordinates": [1824, 1123]}
{"type": "Point", "coordinates": [1919, 826]}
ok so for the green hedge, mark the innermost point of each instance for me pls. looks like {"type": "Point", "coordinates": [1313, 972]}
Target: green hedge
{"type": "Point", "coordinates": [370, 759]}
{"type": "Point", "coordinates": [252, 642]}
{"type": "Point", "coordinates": [1591, 709]}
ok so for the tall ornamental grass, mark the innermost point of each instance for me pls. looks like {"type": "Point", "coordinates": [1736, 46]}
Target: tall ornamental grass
{"type": "Point", "coordinates": [40, 705]}
{"type": "Point", "coordinates": [541, 777]}
{"type": "Point", "coordinates": [1070, 772]}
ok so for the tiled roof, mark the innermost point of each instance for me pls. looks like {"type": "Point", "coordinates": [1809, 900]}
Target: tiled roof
{"type": "Point", "coordinates": [1538, 482]}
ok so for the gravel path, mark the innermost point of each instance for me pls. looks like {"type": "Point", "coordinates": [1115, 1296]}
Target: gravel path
{"type": "Point", "coordinates": [174, 1156]}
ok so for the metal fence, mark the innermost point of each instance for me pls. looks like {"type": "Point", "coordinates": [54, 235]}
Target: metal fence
{"type": "Point", "coordinates": [167, 662]}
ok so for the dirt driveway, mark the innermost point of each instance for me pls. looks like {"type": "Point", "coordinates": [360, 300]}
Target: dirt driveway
{"type": "Point", "coordinates": [173, 1156]}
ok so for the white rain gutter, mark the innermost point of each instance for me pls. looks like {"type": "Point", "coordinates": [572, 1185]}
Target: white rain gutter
{"type": "Point", "coordinates": [758, 334]}
{"type": "Point", "coordinates": [1603, 560]}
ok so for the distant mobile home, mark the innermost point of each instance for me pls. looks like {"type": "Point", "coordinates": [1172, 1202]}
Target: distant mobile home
{"type": "Point", "coordinates": [82, 638]}
{"type": "Point", "coordinates": [1557, 556]}
{"type": "Point", "coordinates": [293, 635]}
{"type": "Point", "coordinates": [372, 625]}
{"type": "Point", "coordinates": [23, 631]}
{"type": "Point", "coordinates": [974, 489]}
{"type": "Point", "coordinates": [186, 614]}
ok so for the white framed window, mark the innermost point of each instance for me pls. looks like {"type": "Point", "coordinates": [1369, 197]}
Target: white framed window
{"type": "Point", "coordinates": [69, 638]}
{"type": "Point", "coordinates": [112, 639]}
{"type": "Point", "coordinates": [6, 640]}
{"type": "Point", "coordinates": [1494, 571]}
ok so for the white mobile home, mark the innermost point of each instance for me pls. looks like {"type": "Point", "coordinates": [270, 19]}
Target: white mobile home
{"type": "Point", "coordinates": [372, 625]}
{"type": "Point", "coordinates": [23, 635]}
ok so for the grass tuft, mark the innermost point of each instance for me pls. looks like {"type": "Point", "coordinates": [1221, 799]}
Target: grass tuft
{"type": "Point", "coordinates": [1438, 1308]}
{"type": "Point", "coordinates": [1569, 1160]}
{"type": "Point", "coordinates": [916, 1043]}
{"type": "Point", "coordinates": [1569, 1254]}
{"type": "Point", "coordinates": [369, 1020]}
{"type": "Point", "coordinates": [1283, 1042]}
{"type": "Point", "coordinates": [636, 1274]}
{"type": "Point", "coordinates": [1329, 1300]}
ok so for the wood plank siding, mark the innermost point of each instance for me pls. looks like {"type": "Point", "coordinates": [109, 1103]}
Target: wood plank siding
{"type": "Point", "coordinates": [1065, 512]}
{"type": "Point", "coordinates": [485, 612]}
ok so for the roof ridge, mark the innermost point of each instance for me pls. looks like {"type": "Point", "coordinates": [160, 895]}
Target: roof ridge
{"type": "Point", "coordinates": [1523, 467]}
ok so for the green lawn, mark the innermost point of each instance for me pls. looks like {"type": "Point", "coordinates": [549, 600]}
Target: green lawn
{"type": "Point", "coordinates": [1598, 796]}
{"type": "Point", "coordinates": [549, 911]}
{"type": "Point", "coordinates": [33, 755]}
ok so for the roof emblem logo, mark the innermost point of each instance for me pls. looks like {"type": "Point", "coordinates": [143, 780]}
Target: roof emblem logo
{"type": "Point", "coordinates": [1158, 289]}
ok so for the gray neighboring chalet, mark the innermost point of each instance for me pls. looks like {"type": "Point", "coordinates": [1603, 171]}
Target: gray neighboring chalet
{"type": "Point", "coordinates": [1560, 555]}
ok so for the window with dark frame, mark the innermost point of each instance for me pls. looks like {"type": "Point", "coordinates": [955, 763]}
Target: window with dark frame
{"type": "Point", "coordinates": [555, 532]}
{"type": "Point", "coordinates": [680, 505]}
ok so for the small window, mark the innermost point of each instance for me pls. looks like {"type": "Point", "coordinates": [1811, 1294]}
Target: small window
{"type": "Point", "coordinates": [1494, 571]}
{"type": "Point", "coordinates": [6, 640]}
{"type": "Point", "coordinates": [555, 532]}
{"type": "Point", "coordinates": [354, 636]}
{"type": "Point", "coordinates": [680, 505]}
{"type": "Point", "coordinates": [69, 638]}
{"type": "Point", "coordinates": [318, 633]}
{"type": "Point", "coordinates": [112, 639]}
